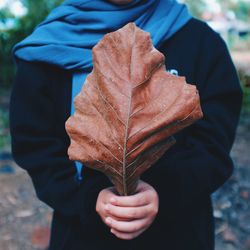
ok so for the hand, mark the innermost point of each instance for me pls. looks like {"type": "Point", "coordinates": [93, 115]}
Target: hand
{"type": "Point", "coordinates": [104, 197]}
{"type": "Point", "coordinates": [128, 216]}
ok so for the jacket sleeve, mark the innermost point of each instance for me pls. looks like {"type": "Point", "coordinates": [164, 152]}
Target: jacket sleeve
{"type": "Point", "coordinates": [199, 163]}
{"type": "Point", "coordinates": [37, 148]}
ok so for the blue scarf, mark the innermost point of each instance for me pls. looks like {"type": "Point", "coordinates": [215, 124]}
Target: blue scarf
{"type": "Point", "coordinates": [77, 25]}
{"type": "Point", "coordinates": [69, 33]}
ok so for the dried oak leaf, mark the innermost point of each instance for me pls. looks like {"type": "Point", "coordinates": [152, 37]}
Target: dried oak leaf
{"type": "Point", "coordinates": [128, 108]}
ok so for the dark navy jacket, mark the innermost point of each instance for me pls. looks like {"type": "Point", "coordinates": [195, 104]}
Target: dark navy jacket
{"type": "Point", "coordinates": [184, 177]}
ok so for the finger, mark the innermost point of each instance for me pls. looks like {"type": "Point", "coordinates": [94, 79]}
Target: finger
{"type": "Point", "coordinates": [112, 190]}
{"type": "Point", "coordinates": [127, 226]}
{"type": "Point", "coordinates": [111, 193]}
{"type": "Point", "coordinates": [142, 186]}
{"type": "Point", "coordinates": [136, 200]}
{"type": "Point", "coordinates": [107, 194]}
{"type": "Point", "coordinates": [118, 218]}
{"type": "Point", "coordinates": [128, 212]}
{"type": "Point", "coordinates": [127, 236]}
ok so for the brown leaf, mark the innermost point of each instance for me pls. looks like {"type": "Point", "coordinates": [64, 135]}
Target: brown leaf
{"type": "Point", "coordinates": [129, 108]}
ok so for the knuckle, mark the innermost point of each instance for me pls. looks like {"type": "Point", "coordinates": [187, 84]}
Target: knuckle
{"type": "Point", "coordinates": [147, 223]}
{"type": "Point", "coordinates": [109, 209]}
{"type": "Point", "coordinates": [97, 209]}
{"type": "Point", "coordinates": [129, 236]}
{"type": "Point", "coordinates": [134, 228]}
{"type": "Point", "coordinates": [141, 200]}
{"type": "Point", "coordinates": [115, 213]}
{"type": "Point", "coordinates": [154, 210]}
{"type": "Point", "coordinates": [122, 237]}
{"type": "Point", "coordinates": [132, 213]}
{"type": "Point", "coordinates": [153, 194]}
{"type": "Point", "coordinates": [102, 193]}
{"type": "Point", "coordinates": [115, 225]}
{"type": "Point", "coordinates": [148, 210]}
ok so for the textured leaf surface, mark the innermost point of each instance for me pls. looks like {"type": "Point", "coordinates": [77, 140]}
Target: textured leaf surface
{"type": "Point", "coordinates": [128, 108]}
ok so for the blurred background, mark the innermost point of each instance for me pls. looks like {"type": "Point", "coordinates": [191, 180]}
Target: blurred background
{"type": "Point", "coordinates": [24, 221]}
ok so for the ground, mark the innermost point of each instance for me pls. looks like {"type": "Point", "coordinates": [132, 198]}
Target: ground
{"type": "Point", "coordinates": [232, 201]}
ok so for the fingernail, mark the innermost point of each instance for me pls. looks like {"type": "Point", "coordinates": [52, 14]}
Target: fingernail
{"type": "Point", "coordinates": [112, 231]}
{"type": "Point", "coordinates": [113, 200]}
{"type": "Point", "coordinates": [108, 220]}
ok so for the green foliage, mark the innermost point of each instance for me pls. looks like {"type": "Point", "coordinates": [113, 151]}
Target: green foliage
{"type": "Point", "coordinates": [245, 83]}
{"type": "Point", "coordinates": [4, 120]}
{"type": "Point", "coordinates": [37, 11]}
{"type": "Point", "coordinates": [241, 8]}
{"type": "Point", "coordinates": [4, 14]}
{"type": "Point", "coordinates": [196, 7]}
{"type": "Point", "coordinates": [4, 130]}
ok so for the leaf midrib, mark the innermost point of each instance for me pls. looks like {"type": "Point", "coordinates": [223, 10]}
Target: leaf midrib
{"type": "Point", "coordinates": [125, 191]}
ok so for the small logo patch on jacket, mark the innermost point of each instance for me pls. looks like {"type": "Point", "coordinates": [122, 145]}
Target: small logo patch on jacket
{"type": "Point", "coordinates": [173, 72]}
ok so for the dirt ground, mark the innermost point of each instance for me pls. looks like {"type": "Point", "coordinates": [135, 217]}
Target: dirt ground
{"type": "Point", "coordinates": [24, 221]}
{"type": "Point", "coordinates": [232, 201]}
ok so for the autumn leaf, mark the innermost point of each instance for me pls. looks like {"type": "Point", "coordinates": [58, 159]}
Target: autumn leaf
{"type": "Point", "coordinates": [128, 108]}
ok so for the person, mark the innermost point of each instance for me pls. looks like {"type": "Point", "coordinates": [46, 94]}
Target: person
{"type": "Point", "coordinates": [172, 208]}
